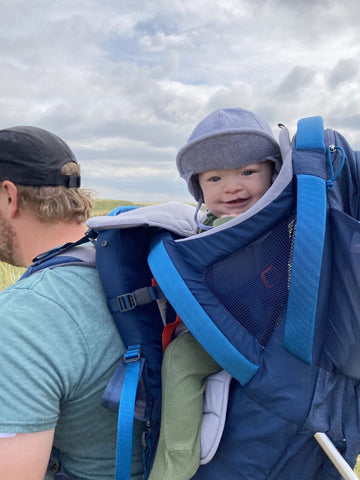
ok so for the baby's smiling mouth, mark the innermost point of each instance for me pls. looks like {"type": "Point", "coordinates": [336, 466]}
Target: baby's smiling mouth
{"type": "Point", "coordinates": [237, 201]}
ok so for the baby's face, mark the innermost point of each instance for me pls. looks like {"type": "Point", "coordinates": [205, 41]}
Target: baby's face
{"type": "Point", "coordinates": [231, 192]}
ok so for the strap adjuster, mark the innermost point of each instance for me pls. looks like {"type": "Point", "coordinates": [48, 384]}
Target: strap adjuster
{"type": "Point", "coordinates": [126, 302]}
{"type": "Point", "coordinates": [132, 354]}
{"type": "Point", "coordinates": [141, 296]}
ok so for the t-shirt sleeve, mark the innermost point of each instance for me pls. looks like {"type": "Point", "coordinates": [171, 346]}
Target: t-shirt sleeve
{"type": "Point", "coordinates": [42, 353]}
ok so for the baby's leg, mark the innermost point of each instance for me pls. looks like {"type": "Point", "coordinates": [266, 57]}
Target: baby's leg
{"type": "Point", "coordinates": [185, 367]}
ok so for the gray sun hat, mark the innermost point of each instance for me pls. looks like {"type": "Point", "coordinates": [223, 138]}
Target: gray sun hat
{"type": "Point", "coordinates": [226, 139]}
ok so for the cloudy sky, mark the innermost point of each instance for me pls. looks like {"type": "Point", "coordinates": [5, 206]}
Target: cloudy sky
{"type": "Point", "coordinates": [124, 82]}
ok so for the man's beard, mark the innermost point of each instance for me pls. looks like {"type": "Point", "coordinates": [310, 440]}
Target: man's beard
{"type": "Point", "coordinates": [7, 242]}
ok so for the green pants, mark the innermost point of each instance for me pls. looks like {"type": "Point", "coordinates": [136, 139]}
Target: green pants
{"type": "Point", "coordinates": [185, 367]}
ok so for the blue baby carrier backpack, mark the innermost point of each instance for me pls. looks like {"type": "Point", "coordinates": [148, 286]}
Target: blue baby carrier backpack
{"type": "Point", "coordinates": [272, 295]}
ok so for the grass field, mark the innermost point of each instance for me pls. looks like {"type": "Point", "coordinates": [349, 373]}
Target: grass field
{"type": "Point", "coordinates": [103, 207]}
{"type": "Point", "coordinates": [9, 274]}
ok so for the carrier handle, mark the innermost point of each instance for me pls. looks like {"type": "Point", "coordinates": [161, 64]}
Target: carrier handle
{"type": "Point", "coordinates": [337, 459]}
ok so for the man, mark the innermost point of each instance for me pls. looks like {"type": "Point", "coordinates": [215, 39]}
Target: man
{"type": "Point", "coordinates": [59, 344]}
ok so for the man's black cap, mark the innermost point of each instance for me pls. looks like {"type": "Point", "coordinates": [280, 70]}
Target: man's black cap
{"type": "Point", "coordinates": [34, 157]}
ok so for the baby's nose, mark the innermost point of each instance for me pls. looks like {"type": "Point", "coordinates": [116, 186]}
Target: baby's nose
{"type": "Point", "coordinates": [234, 185]}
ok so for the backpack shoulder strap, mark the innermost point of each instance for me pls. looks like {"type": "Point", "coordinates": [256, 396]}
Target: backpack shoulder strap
{"type": "Point", "coordinates": [76, 253]}
{"type": "Point", "coordinates": [309, 165]}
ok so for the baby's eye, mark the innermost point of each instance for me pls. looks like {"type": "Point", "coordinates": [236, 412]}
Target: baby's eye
{"type": "Point", "coordinates": [215, 178]}
{"type": "Point", "coordinates": [248, 172]}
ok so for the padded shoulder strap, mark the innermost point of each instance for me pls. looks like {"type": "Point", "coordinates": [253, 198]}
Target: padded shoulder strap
{"type": "Point", "coordinates": [194, 316]}
{"type": "Point", "coordinates": [77, 253]}
{"type": "Point", "coordinates": [309, 163]}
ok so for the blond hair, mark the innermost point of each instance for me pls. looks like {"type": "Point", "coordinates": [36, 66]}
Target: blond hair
{"type": "Point", "coordinates": [58, 203]}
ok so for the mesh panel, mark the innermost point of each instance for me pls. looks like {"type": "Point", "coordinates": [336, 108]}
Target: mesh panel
{"type": "Point", "coordinates": [253, 283]}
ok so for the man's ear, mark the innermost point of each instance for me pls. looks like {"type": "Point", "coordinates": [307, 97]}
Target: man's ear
{"type": "Point", "coordinates": [11, 196]}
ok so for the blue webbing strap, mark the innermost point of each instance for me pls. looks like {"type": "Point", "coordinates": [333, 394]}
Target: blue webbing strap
{"type": "Point", "coordinates": [126, 413]}
{"type": "Point", "coordinates": [308, 247]}
{"type": "Point", "coordinates": [306, 266]}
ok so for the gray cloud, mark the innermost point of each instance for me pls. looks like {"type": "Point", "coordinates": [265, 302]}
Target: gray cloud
{"type": "Point", "coordinates": [345, 71]}
{"type": "Point", "coordinates": [124, 83]}
{"type": "Point", "coordinates": [297, 81]}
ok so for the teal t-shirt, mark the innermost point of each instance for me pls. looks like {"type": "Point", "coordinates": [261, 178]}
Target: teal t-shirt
{"type": "Point", "coordinates": [59, 348]}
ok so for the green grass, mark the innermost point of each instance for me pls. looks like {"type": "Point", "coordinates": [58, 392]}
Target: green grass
{"type": "Point", "coordinates": [103, 207]}
{"type": "Point", "coordinates": [9, 274]}
{"type": "Point", "coordinates": [357, 467]}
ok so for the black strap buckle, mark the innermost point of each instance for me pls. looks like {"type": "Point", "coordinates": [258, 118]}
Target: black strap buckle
{"type": "Point", "coordinates": [126, 302]}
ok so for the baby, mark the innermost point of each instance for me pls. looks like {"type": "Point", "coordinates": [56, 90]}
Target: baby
{"type": "Point", "coordinates": [229, 162]}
